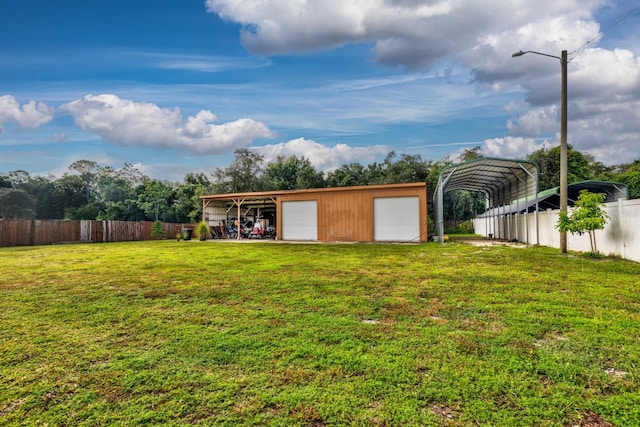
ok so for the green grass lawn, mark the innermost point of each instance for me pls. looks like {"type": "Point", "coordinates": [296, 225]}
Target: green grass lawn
{"type": "Point", "coordinates": [264, 334]}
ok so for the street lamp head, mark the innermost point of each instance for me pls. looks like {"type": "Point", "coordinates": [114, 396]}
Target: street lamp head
{"type": "Point", "coordinates": [520, 53]}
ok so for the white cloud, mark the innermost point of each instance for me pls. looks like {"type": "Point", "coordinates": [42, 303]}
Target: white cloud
{"type": "Point", "coordinates": [413, 34]}
{"type": "Point", "coordinates": [321, 156]}
{"type": "Point", "coordinates": [511, 147]}
{"type": "Point", "coordinates": [30, 115]}
{"type": "Point", "coordinates": [127, 122]}
{"type": "Point", "coordinates": [480, 35]}
{"type": "Point", "coordinates": [604, 105]}
{"type": "Point", "coordinates": [58, 137]}
{"type": "Point", "coordinates": [536, 121]}
{"type": "Point", "coordinates": [201, 63]}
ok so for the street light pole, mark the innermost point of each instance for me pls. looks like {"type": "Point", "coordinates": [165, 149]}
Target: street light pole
{"type": "Point", "coordinates": [563, 139]}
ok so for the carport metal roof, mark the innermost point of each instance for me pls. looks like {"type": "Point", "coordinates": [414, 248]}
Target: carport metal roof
{"type": "Point", "coordinates": [500, 180]}
{"type": "Point", "coordinates": [550, 199]}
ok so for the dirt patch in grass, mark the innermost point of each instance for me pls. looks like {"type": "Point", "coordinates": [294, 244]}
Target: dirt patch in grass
{"type": "Point", "coordinates": [591, 419]}
{"type": "Point", "coordinates": [13, 405]}
{"type": "Point", "coordinates": [443, 412]}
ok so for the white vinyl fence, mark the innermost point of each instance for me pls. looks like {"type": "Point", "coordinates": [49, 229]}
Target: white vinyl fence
{"type": "Point", "coordinates": [620, 237]}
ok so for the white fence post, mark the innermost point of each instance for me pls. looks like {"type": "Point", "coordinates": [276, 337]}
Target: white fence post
{"type": "Point", "coordinates": [622, 226]}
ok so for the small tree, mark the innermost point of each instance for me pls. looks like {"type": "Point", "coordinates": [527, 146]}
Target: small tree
{"type": "Point", "coordinates": [157, 230]}
{"type": "Point", "coordinates": [587, 216]}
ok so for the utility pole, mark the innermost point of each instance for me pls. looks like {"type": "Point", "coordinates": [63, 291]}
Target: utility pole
{"type": "Point", "coordinates": [563, 138]}
{"type": "Point", "coordinates": [563, 151]}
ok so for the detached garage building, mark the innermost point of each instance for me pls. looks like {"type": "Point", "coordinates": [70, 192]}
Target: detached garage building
{"type": "Point", "coordinates": [375, 213]}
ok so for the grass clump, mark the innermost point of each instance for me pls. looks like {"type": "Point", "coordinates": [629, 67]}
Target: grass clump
{"type": "Point", "coordinates": [283, 334]}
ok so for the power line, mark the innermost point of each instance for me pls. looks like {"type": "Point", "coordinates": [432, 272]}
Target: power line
{"type": "Point", "coordinates": [630, 12]}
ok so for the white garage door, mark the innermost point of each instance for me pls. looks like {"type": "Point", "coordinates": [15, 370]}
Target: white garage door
{"type": "Point", "coordinates": [300, 220]}
{"type": "Point", "coordinates": [396, 219]}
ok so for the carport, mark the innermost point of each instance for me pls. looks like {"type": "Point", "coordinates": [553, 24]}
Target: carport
{"type": "Point", "coordinates": [218, 208]}
{"type": "Point", "coordinates": [550, 198]}
{"type": "Point", "coordinates": [503, 182]}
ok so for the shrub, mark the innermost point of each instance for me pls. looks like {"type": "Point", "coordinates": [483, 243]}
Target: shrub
{"type": "Point", "coordinates": [465, 227]}
{"type": "Point", "coordinates": [157, 230]}
{"type": "Point", "coordinates": [202, 230]}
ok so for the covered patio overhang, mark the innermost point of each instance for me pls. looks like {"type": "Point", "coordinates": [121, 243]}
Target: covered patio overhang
{"type": "Point", "coordinates": [239, 204]}
{"type": "Point", "coordinates": [502, 181]}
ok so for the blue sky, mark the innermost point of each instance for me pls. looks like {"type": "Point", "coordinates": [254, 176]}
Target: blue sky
{"type": "Point", "coordinates": [175, 86]}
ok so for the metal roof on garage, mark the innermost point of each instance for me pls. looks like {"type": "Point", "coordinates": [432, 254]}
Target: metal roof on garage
{"type": "Point", "coordinates": [500, 180]}
{"type": "Point", "coordinates": [261, 196]}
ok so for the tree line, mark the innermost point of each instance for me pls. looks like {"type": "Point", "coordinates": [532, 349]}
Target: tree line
{"type": "Point", "coordinates": [91, 191]}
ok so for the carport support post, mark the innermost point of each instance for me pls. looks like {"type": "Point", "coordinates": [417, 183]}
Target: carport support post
{"type": "Point", "coordinates": [440, 196]}
{"type": "Point", "coordinates": [500, 228]}
{"type": "Point", "coordinates": [486, 211]}
{"type": "Point", "coordinates": [205, 204]}
{"type": "Point", "coordinates": [440, 214]}
{"type": "Point", "coordinates": [238, 203]}
{"type": "Point", "coordinates": [502, 223]}
{"type": "Point", "coordinates": [526, 204]}
{"type": "Point", "coordinates": [537, 189]}
{"type": "Point", "coordinates": [503, 232]}
{"type": "Point", "coordinates": [239, 231]}
{"type": "Point", "coordinates": [509, 220]}
{"type": "Point", "coordinates": [519, 217]}
{"type": "Point", "coordinates": [494, 213]}
{"type": "Point", "coordinates": [535, 216]}
{"type": "Point", "coordinates": [518, 210]}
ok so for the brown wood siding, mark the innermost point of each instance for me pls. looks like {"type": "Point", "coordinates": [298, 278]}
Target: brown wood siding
{"type": "Point", "coordinates": [347, 215]}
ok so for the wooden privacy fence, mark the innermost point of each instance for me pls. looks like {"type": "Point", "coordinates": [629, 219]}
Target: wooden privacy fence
{"type": "Point", "coordinates": [48, 232]}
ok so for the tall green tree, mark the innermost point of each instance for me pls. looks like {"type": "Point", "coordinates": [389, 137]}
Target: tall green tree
{"type": "Point", "coordinates": [408, 168]}
{"type": "Point", "coordinates": [293, 173]}
{"type": "Point", "coordinates": [16, 204]}
{"type": "Point", "coordinates": [77, 191]}
{"type": "Point", "coordinates": [393, 170]}
{"type": "Point", "coordinates": [464, 204]}
{"type": "Point", "coordinates": [87, 172]}
{"type": "Point", "coordinates": [5, 182]}
{"type": "Point", "coordinates": [117, 193]}
{"type": "Point", "coordinates": [375, 173]}
{"type": "Point", "coordinates": [42, 189]}
{"type": "Point", "coordinates": [156, 198]}
{"type": "Point", "coordinates": [245, 174]}
{"type": "Point", "coordinates": [580, 167]}
{"type": "Point", "coordinates": [347, 175]}
{"type": "Point", "coordinates": [630, 175]}
{"type": "Point", "coordinates": [188, 206]}
{"type": "Point", "coordinates": [19, 178]}
{"type": "Point", "coordinates": [470, 154]}
{"type": "Point", "coordinates": [70, 197]}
